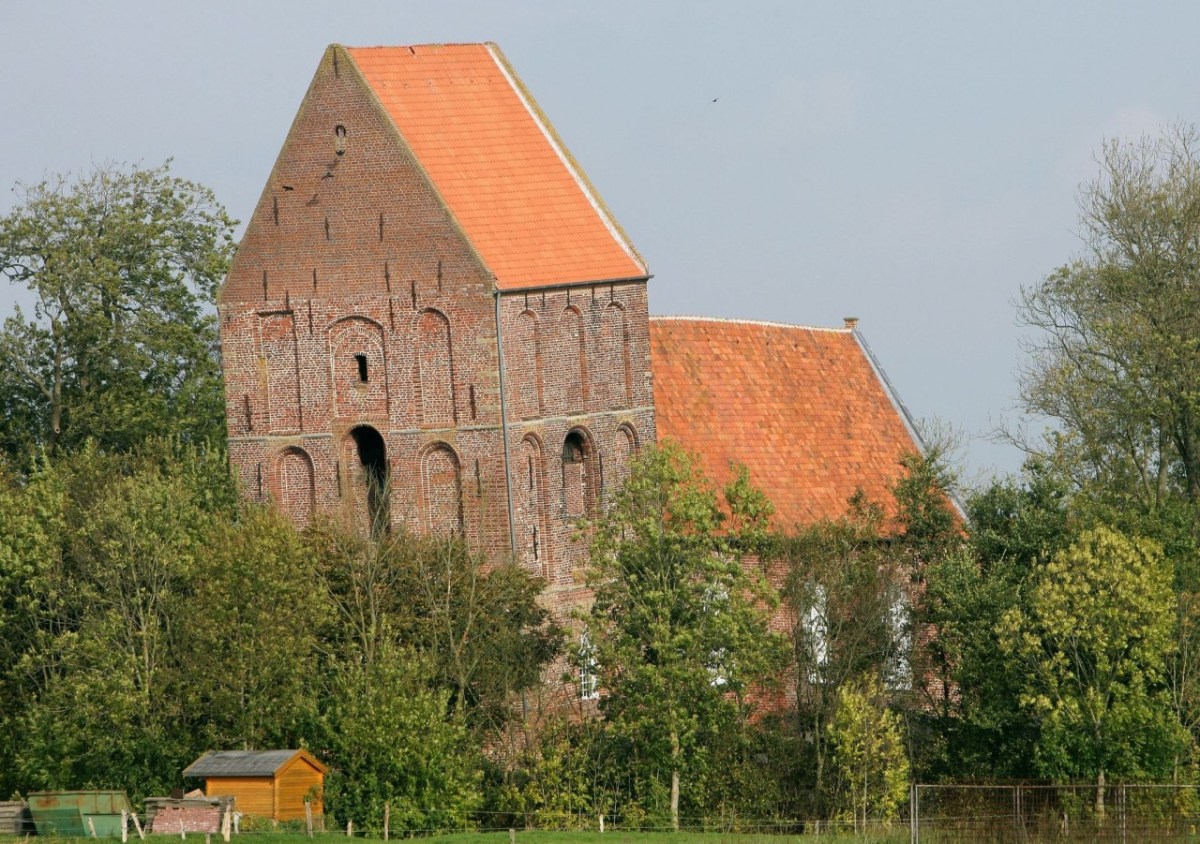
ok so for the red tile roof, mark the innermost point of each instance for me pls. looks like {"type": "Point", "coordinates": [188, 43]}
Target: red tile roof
{"type": "Point", "coordinates": [802, 408]}
{"type": "Point", "coordinates": [520, 198]}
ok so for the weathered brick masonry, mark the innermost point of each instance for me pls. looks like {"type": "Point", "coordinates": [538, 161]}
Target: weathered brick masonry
{"type": "Point", "coordinates": [432, 299]}
{"type": "Point", "coordinates": [364, 316]}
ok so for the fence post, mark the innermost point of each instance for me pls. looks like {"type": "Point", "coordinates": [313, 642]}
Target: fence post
{"type": "Point", "coordinates": [349, 829]}
{"type": "Point", "coordinates": [1020, 819]}
{"type": "Point", "coordinates": [307, 817]}
{"type": "Point", "coordinates": [1124, 796]}
{"type": "Point", "coordinates": [914, 836]}
{"type": "Point", "coordinates": [124, 826]}
{"type": "Point", "coordinates": [92, 827]}
{"type": "Point", "coordinates": [138, 826]}
{"type": "Point", "coordinates": [387, 818]}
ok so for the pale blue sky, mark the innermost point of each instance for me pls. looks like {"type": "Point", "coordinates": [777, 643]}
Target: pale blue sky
{"type": "Point", "coordinates": [910, 163]}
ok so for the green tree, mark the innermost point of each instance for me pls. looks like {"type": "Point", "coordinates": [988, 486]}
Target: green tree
{"type": "Point", "coordinates": [841, 587]}
{"type": "Point", "coordinates": [678, 629]}
{"type": "Point", "coordinates": [1016, 525]}
{"type": "Point", "coordinates": [123, 264]}
{"type": "Point", "coordinates": [390, 740]}
{"type": "Point", "coordinates": [1116, 360]}
{"type": "Point", "coordinates": [1094, 640]}
{"type": "Point", "coordinates": [869, 754]}
{"type": "Point", "coordinates": [481, 628]}
{"type": "Point", "coordinates": [32, 524]}
{"type": "Point", "coordinates": [105, 696]}
{"type": "Point", "coordinates": [253, 632]}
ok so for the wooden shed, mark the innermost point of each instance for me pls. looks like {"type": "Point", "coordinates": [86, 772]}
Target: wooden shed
{"type": "Point", "coordinates": [264, 783]}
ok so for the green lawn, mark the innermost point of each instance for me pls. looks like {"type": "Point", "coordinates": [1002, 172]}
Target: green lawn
{"type": "Point", "coordinates": [897, 836]}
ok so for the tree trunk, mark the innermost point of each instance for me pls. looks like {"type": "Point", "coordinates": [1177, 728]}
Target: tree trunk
{"type": "Point", "coordinates": [675, 800]}
{"type": "Point", "coordinates": [1100, 795]}
{"type": "Point", "coordinates": [675, 781]}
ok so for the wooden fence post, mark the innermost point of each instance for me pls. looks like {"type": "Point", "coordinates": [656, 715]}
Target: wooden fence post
{"type": "Point", "coordinates": [387, 818]}
{"type": "Point", "coordinates": [226, 822]}
{"type": "Point", "coordinates": [182, 831]}
{"type": "Point", "coordinates": [349, 829]}
{"type": "Point", "coordinates": [138, 826]}
{"type": "Point", "coordinates": [92, 827]}
{"type": "Point", "coordinates": [124, 826]}
{"type": "Point", "coordinates": [308, 817]}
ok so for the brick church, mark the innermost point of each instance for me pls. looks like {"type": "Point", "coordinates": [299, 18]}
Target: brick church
{"type": "Point", "coordinates": [433, 319]}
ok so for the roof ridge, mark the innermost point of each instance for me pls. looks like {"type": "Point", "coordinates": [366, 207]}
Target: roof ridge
{"type": "Point", "coordinates": [434, 44]}
{"type": "Point", "coordinates": [762, 322]}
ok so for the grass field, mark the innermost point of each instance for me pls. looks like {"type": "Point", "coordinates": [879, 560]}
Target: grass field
{"type": "Point", "coordinates": [897, 836]}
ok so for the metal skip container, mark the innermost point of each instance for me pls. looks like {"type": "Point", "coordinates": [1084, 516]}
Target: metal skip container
{"type": "Point", "coordinates": [67, 813]}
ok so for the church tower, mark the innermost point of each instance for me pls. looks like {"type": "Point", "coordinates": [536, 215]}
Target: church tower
{"type": "Point", "coordinates": [433, 319]}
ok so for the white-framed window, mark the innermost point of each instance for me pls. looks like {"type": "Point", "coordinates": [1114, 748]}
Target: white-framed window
{"type": "Point", "coordinates": [899, 667]}
{"type": "Point", "coordinates": [589, 683]}
{"type": "Point", "coordinates": [716, 600]}
{"type": "Point", "coordinates": [816, 632]}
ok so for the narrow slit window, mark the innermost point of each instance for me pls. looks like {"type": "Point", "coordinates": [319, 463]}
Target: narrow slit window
{"type": "Point", "coordinates": [361, 360]}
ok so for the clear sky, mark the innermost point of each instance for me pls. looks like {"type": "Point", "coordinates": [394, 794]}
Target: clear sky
{"type": "Point", "coordinates": [909, 163]}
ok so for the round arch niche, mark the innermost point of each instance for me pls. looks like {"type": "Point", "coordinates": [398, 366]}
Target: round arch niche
{"type": "Point", "coordinates": [372, 455]}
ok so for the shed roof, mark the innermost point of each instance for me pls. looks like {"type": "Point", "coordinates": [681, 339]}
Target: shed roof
{"type": "Point", "coordinates": [521, 199]}
{"type": "Point", "coordinates": [246, 763]}
{"type": "Point", "coordinates": [803, 408]}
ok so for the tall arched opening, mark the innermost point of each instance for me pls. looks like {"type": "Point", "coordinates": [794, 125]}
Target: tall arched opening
{"type": "Point", "coordinates": [372, 455]}
{"type": "Point", "coordinates": [580, 475]}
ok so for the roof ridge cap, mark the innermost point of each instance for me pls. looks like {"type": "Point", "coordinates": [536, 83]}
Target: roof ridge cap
{"type": "Point", "coordinates": [415, 46]}
{"type": "Point", "coordinates": [762, 322]}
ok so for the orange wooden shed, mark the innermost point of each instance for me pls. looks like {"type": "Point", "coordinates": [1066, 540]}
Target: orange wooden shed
{"type": "Point", "coordinates": [264, 783]}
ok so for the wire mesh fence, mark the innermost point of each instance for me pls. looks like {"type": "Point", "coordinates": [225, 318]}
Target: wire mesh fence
{"type": "Point", "coordinates": [935, 814]}
{"type": "Point", "coordinates": [1050, 813]}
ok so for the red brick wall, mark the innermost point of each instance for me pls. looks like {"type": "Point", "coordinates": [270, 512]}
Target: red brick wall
{"type": "Point", "coordinates": [356, 300]}
{"type": "Point", "coordinates": [170, 820]}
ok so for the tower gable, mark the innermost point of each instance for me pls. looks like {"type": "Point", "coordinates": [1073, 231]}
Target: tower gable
{"type": "Point", "coordinates": [348, 208]}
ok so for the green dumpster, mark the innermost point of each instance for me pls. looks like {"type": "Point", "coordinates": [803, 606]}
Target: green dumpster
{"type": "Point", "coordinates": [66, 813]}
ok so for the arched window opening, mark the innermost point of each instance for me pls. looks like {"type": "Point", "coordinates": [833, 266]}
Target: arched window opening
{"type": "Point", "coordinates": [573, 448]}
{"type": "Point", "coordinates": [571, 364]}
{"type": "Point", "coordinates": [578, 475]}
{"type": "Point", "coordinates": [435, 370]}
{"type": "Point", "coordinates": [530, 510]}
{"type": "Point", "coordinates": [442, 479]}
{"type": "Point", "coordinates": [624, 448]}
{"type": "Point", "coordinates": [372, 454]}
{"type": "Point", "coordinates": [526, 366]}
{"type": "Point", "coordinates": [294, 484]}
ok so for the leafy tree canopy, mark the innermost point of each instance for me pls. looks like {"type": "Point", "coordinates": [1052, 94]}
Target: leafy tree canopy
{"type": "Point", "coordinates": [1115, 362]}
{"type": "Point", "coordinates": [1094, 640]}
{"type": "Point", "coordinates": [123, 264]}
{"type": "Point", "coordinates": [678, 631]}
